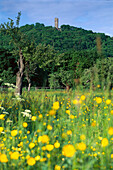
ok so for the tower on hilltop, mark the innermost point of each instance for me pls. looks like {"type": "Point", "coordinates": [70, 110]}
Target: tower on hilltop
{"type": "Point", "coordinates": [56, 23]}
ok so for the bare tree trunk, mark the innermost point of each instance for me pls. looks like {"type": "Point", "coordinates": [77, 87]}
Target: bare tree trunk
{"type": "Point", "coordinates": [27, 75]}
{"type": "Point", "coordinates": [67, 87]}
{"type": "Point", "coordinates": [29, 81]}
{"type": "Point", "coordinates": [29, 86]}
{"type": "Point", "coordinates": [19, 75]}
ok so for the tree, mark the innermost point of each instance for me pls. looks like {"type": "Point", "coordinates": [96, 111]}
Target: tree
{"type": "Point", "coordinates": [18, 40]}
{"type": "Point", "coordinates": [46, 58]}
{"type": "Point", "coordinates": [101, 73]}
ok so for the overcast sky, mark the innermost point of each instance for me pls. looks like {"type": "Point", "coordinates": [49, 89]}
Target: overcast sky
{"type": "Point", "coordinates": [95, 15]}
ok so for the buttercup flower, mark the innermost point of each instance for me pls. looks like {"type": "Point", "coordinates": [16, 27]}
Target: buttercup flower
{"type": "Point", "coordinates": [69, 132]}
{"type": "Point", "coordinates": [31, 145]}
{"type": "Point", "coordinates": [49, 127]}
{"type": "Point", "coordinates": [83, 97]}
{"type": "Point", "coordinates": [33, 118]}
{"type": "Point", "coordinates": [56, 105]}
{"type": "Point", "coordinates": [57, 144]}
{"type": "Point", "coordinates": [37, 158]}
{"type": "Point", "coordinates": [1, 129]}
{"type": "Point", "coordinates": [111, 112]}
{"type": "Point", "coordinates": [108, 101]}
{"type": "Point", "coordinates": [31, 161]}
{"type": "Point", "coordinates": [49, 147]}
{"type": "Point", "coordinates": [57, 167]}
{"type": "Point", "coordinates": [3, 158]}
{"type": "Point", "coordinates": [68, 150]}
{"type": "Point", "coordinates": [98, 100]}
{"type": "Point", "coordinates": [13, 132]}
{"type": "Point", "coordinates": [52, 112]}
{"type": "Point", "coordinates": [45, 139]}
{"type": "Point", "coordinates": [14, 155]}
{"type": "Point", "coordinates": [25, 124]}
{"type": "Point", "coordinates": [110, 131]}
{"type": "Point", "coordinates": [104, 142]}
{"type": "Point", "coordinates": [2, 116]}
{"type": "Point", "coordinates": [81, 146]}
{"type": "Point", "coordinates": [112, 156]}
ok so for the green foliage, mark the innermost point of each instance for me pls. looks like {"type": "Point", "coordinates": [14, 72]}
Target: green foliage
{"type": "Point", "coordinates": [51, 52]}
{"type": "Point", "coordinates": [54, 80]}
{"type": "Point", "coordinates": [7, 76]}
{"type": "Point", "coordinates": [101, 73]}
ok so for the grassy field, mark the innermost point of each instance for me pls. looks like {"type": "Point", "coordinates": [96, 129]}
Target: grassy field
{"type": "Point", "coordinates": [56, 130]}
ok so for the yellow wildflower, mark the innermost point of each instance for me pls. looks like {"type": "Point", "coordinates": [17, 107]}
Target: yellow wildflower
{"type": "Point", "coordinates": [49, 127]}
{"type": "Point", "coordinates": [98, 85]}
{"type": "Point", "coordinates": [45, 139]}
{"type": "Point", "coordinates": [49, 147]}
{"type": "Point", "coordinates": [93, 123]}
{"type": "Point", "coordinates": [110, 131]}
{"type": "Point", "coordinates": [39, 139]}
{"type": "Point", "coordinates": [83, 97]}
{"type": "Point", "coordinates": [1, 129]}
{"type": "Point", "coordinates": [98, 100]}
{"type": "Point", "coordinates": [37, 158]}
{"type": "Point", "coordinates": [25, 124]}
{"type": "Point", "coordinates": [75, 101]}
{"type": "Point", "coordinates": [40, 116]}
{"type": "Point", "coordinates": [56, 105]}
{"type": "Point", "coordinates": [13, 132]}
{"type": "Point", "coordinates": [57, 144]}
{"type": "Point", "coordinates": [43, 148]}
{"type": "Point", "coordinates": [31, 145]}
{"type": "Point", "coordinates": [69, 132]}
{"type": "Point", "coordinates": [111, 112]}
{"type": "Point", "coordinates": [68, 112]}
{"type": "Point", "coordinates": [3, 158]}
{"type": "Point", "coordinates": [57, 167]}
{"type": "Point", "coordinates": [104, 142]}
{"type": "Point", "coordinates": [28, 156]}
{"type": "Point", "coordinates": [68, 150]}
{"type": "Point", "coordinates": [31, 161]}
{"type": "Point", "coordinates": [2, 116]}
{"type": "Point", "coordinates": [64, 135]}
{"type": "Point", "coordinates": [43, 159]}
{"type": "Point", "coordinates": [112, 156]}
{"type": "Point", "coordinates": [108, 101]}
{"type": "Point", "coordinates": [72, 116]}
{"type": "Point", "coordinates": [81, 146]}
{"type": "Point", "coordinates": [14, 155]}
{"type": "Point", "coordinates": [33, 118]}
{"type": "Point", "coordinates": [52, 112]}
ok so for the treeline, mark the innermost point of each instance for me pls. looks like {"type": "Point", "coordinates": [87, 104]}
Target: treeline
{"type": "Point", "coordinates": [53, 57]}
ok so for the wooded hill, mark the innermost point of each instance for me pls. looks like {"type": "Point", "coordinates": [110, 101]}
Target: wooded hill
{"type": "Point", "coordinates": [73, 50]}
{"type": "Point", "coordinates": [69, 38]}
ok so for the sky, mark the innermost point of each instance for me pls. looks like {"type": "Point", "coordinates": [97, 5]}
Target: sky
{"type": "Point", "coordinates": [95, 15]}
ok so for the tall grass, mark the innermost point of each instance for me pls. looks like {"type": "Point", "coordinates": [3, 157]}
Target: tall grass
{"type": "Point", "coordinates": [56, 130]}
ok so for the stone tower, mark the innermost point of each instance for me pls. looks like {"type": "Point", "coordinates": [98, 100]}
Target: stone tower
{"type": "Point", "coordinates": [56, 23]}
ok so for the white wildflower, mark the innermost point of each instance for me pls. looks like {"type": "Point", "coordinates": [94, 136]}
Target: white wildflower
{"type": "Point", "coordinates": [5, 112]}
{"type": "Point", "coordinates": [2, 108]}
{"type": "Point", "coordinates": [29, 111]}
{"type": "Point", "coordinates": [26, 114]}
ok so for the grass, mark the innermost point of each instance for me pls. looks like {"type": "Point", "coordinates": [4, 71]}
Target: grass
{"type": "Point", "coordinates": [53, 130]}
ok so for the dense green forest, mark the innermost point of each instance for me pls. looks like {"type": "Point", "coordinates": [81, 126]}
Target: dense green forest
{"type": "Point", "coordinates": [56, 58]}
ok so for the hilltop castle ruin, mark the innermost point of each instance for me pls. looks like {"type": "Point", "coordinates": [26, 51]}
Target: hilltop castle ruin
{"type": "Point", "coordinates": [56, 23]}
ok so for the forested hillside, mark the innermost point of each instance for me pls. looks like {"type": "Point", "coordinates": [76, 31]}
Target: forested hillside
{"type": "Point", "coordinates": [68, 38]}
{"type": "Point", "coordinates": [71, 49]}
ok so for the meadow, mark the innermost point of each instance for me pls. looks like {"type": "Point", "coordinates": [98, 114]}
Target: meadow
{"type": "Point", "coordinates": [56, 130]}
